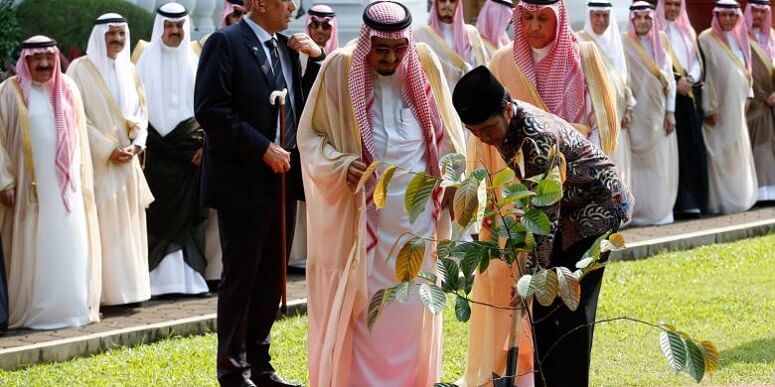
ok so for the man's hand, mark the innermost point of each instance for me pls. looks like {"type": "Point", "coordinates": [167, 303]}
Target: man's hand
{"type": "Point", "coordinates": [627, 119]}
{"type": "Point", "coordinates": [302, 43]}
{"type": "Point", "coordinates": [684, 87]}
{"type": "Point", "coordinates": [354, 173]}
{"type": "Point", "coordinates": [8, 197]}
{"type": "Point", "coordinates": [122, 155]}
{"type": "Point", "coordinates": [277, 158]}
{"type": "Point", "coordinates": [771, 100]}
{"type": "Point", "coordinates": [669, 123]}
{"type": "Point", "coordinates": [197, 159]}
{"type": "Point", "coordinates": [711, 120]}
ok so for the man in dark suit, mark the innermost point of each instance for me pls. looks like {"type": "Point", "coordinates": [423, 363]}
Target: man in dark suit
{"type": "Point", "coordinates": [240, 66]}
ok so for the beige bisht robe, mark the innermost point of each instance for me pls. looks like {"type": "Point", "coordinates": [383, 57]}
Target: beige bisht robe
{"type": "Point", "coordinates": [329, 140]}
{"type": "Point", "coordinates": [761, 120]}
{"type": "Point", "coordinates": [120, 190]}
{"type": "Point", "coordinates": [731, 172]}
{"type": "Point", "coordinates": [453, 65]}
{"type": "Point", "coordinates": [491, 49]}
{"type": "Point", "coordinates": [20, 224]}
{"type": "Point", "coordinates": [489, 327]}
{"type": "Point", "coordinates": [621, 156]}
{"type": "Point", "coordinates": [654, 154]}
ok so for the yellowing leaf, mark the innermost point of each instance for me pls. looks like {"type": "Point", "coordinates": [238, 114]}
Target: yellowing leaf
{"type": "Point", "coordinates": [380, 192]}
{"type": "Point", "coordinates": [519, 161]}
{"type": "Point", "coordinates": [366, 175]}
{"type": "Point", "coordinates": [505, 175]}
{"type": "Point", "coordinates": [417, 194]}
{"type": "Point", "coordinates": [545, 282]}
{"type": "Point", "coordinates": [466, 201]}
{"type": "Point", "coordinates": [568, 287]}
{"type": "Point", "coordinates": [409, 261]}
{"type": "Point", "coordinates": [711, 355]}
{"type": "Point", "coordinates": [563, 168]}
{"type": "Point", "coordinates": [617, 239]}
{"type": "Point", "coordinates": [377, 304]}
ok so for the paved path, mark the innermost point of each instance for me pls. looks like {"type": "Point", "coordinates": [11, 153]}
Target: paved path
{"type": "Point", "coordinates": [157, 319]}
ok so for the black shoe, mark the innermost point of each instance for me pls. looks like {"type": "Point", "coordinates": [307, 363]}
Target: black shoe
{"type": "Point", "coordinates": [272, 379]}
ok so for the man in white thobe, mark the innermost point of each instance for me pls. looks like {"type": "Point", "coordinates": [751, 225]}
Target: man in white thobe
{"type": "Point", "coordinates": [114, 101]}
{"type": "Point", "coordinates": [48, 217]}
{"type": "Point", "coordinates": [653, 142]}
{"type": "Point", "coordinates": [175, 219]}
{"type": "Point", "coordinates": [399, 112]}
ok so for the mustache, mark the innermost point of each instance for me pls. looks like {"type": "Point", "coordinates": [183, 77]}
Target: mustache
{"type": "Point", "coordinates": [44, 68]}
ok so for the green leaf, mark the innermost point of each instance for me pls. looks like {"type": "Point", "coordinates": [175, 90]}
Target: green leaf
{"type": "Point", "coordinates": [462, 309]}
{"type": "Point", "coordinates": [452, 167]}
{"type": "Point", "coordinates": [594, 250]}
{"type": "Point", "coordinates": [513, 193]}
{"type": "Point", "coordinates": [673, 348]}
{"type": "Point", "coordinates": [428, 276]}
{"type": "Point", "coordinates": [466, 201]}
{"type": "Point", "coordinates": [410, 259]}
{"type": "Point", "coordinates": [402, 291]}
{"type": "Point", "coordinates": [695, 361]}
{"type": "Point", "coordinates": [505, 175]}
{"type": "Point", "coordinates": [449, 273]}
{"type": "Point", "coordinates": [433, 298]}
{"type": "Point", "coordinates": [711, 355]}
{"type": "Point", "coordinates": [445, 248]}
{"type": "Point", "coordinates": [548, 192]}
{"type": "Point", "coordinates": [469, 253]}
{"type": "Point", "coordinates": [584, 262]}
{"type": "Point", "coordinates": [484, 259]}
{"type": "Point", "coordinates": [525, 286]}
{"type": "Point", "coordinates": [378, 302]}
{"type": "Point", "coordinates": [480, 174]}
{"type": "Point", "coordinates": [537, 222]}
{"type": "Point", "coordinates": [545, 282]}
{"type": "Point", "coordinates": [445, 385]}
{"type": "Point", "coordinates": [380, 192]}
{"type": "Point", "coordinates": [417, 194]}
{"type": "Point", "coordinates": [367, 175]}
{"type": "Point", "coordinates": [568, 287]}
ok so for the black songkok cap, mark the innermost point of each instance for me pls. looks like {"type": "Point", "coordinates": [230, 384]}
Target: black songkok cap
{"type": "Point", "coordinates": [599, 4]}
{"type": "Point", "coordinates": [507, 3]}
{"type": "Point", "coordinates": [237, 2]}
{"type": "Point", "coordinates": [387, 27]}
{"type": "Point", "coordinates": [320, 13]}
{"type": "Point", "coordinates": [540, 2]}
{"type": "Point", "coordinates": [38, 44]}
{"type": "Point", "coordinates": [477, 96]}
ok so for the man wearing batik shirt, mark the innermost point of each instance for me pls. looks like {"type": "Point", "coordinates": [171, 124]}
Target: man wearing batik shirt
{"type": "Point", "coordinates": [397, 110]}
{"type": "Point", "coordinates": [547, 67]}
{"type": "Point", "coordinates": [672, 19]}
{"type": "Point", "coordinates": [604, 33]}
{"type": "Point", "coordinates": [594, 202]}
{"type": "Point", "coordinates": [117, 121]}
{"type": "Point", "coordinates": [175, 219]}
{"type": "Point", "coordinates": [653, 144]}
{"type": "Point", "coordinates": [732, 184]}
{"type": "Point", "coordinates": [761, 115]}
{"type": "Point", "coordinates": [492, 23]}
{"type": "Point", "coordinates": [458, 45]}
{"type": "Point", "coordinates": [48, 218]}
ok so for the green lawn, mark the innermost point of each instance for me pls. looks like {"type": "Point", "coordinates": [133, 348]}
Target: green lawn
{"type": "Point", "coordinates": [724, 293]}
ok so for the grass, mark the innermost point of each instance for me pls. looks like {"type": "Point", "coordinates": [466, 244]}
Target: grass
{"type": "Point", "coordinates": [723, 293]}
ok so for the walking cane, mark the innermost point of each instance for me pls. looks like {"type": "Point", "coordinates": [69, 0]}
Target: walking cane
{"type": "Point", "coordinates": [278, 97]}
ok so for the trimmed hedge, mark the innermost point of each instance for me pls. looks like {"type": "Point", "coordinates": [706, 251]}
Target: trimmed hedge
{"type": "Point", "coordinates": [70, 21]}
{"type": "Point", "coordinates": [9, 35]}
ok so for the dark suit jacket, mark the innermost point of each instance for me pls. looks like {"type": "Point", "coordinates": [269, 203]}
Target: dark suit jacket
{"type": "Point", "coordinates": [232, 105]}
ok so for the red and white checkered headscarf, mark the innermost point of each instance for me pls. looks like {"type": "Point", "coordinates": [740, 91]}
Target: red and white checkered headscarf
{"type": "Point", "coordinates": [228, 9]}
{"type": "Point", "coordinates": [659, 55]}
{"type": "Point", "coordinates": [684, 26]}
{"type": "Point", "coordinates": [765, 37]}
{"type": "Point", "coordinates": [739, 31]}
{"type": "Point", "coordinates": [492, 22]}
{"type": "Point", "coordinates": [462, 44]}
{"type": "Point", "coordinates": [416, 91]}
{"type": "Point", "coordinates": [558, 77]}
{"type": "Point", "coordinates": [64, 111]}
{"type": "Point", "coordinates": [332, 43]}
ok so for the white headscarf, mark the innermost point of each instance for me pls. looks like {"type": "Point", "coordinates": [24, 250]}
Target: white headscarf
{"type": "Point", "coordinates": [610, 41]}
{"type": "Point", "coordinates": [118, 74]}
{"type": "Point", "coordinates": [169, 73]}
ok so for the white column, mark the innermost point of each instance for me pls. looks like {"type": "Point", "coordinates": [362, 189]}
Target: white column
{"type": "Point", "coordinates": [203, 17]}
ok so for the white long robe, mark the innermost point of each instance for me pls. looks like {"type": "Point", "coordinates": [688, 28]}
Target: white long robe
{"type": "Point", "coordinates": [454, 65]}
{"type": "Point", "coordinates": [731, 172]}
{"type": "Point", "coordinates": [121, 192]}
{"type": "Point", "coordinates": [52, 255]}
{"type": "Point", "coordinates": [654, 153]}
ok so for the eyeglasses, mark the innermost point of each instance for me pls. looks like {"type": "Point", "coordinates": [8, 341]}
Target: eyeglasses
{"type": "Point", "coordinates": [397, 50]}
{"type": "Point", "coordinates": [324, 25]}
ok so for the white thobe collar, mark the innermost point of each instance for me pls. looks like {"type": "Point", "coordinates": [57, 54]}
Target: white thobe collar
{"type": "Point", "coordinates": [540, 53]}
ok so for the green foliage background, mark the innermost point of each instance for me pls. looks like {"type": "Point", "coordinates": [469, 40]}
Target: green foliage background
{"type": "Point", "coordinates": [9, 33]}
{"type": "Point", "coordinates": [70, 22]}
